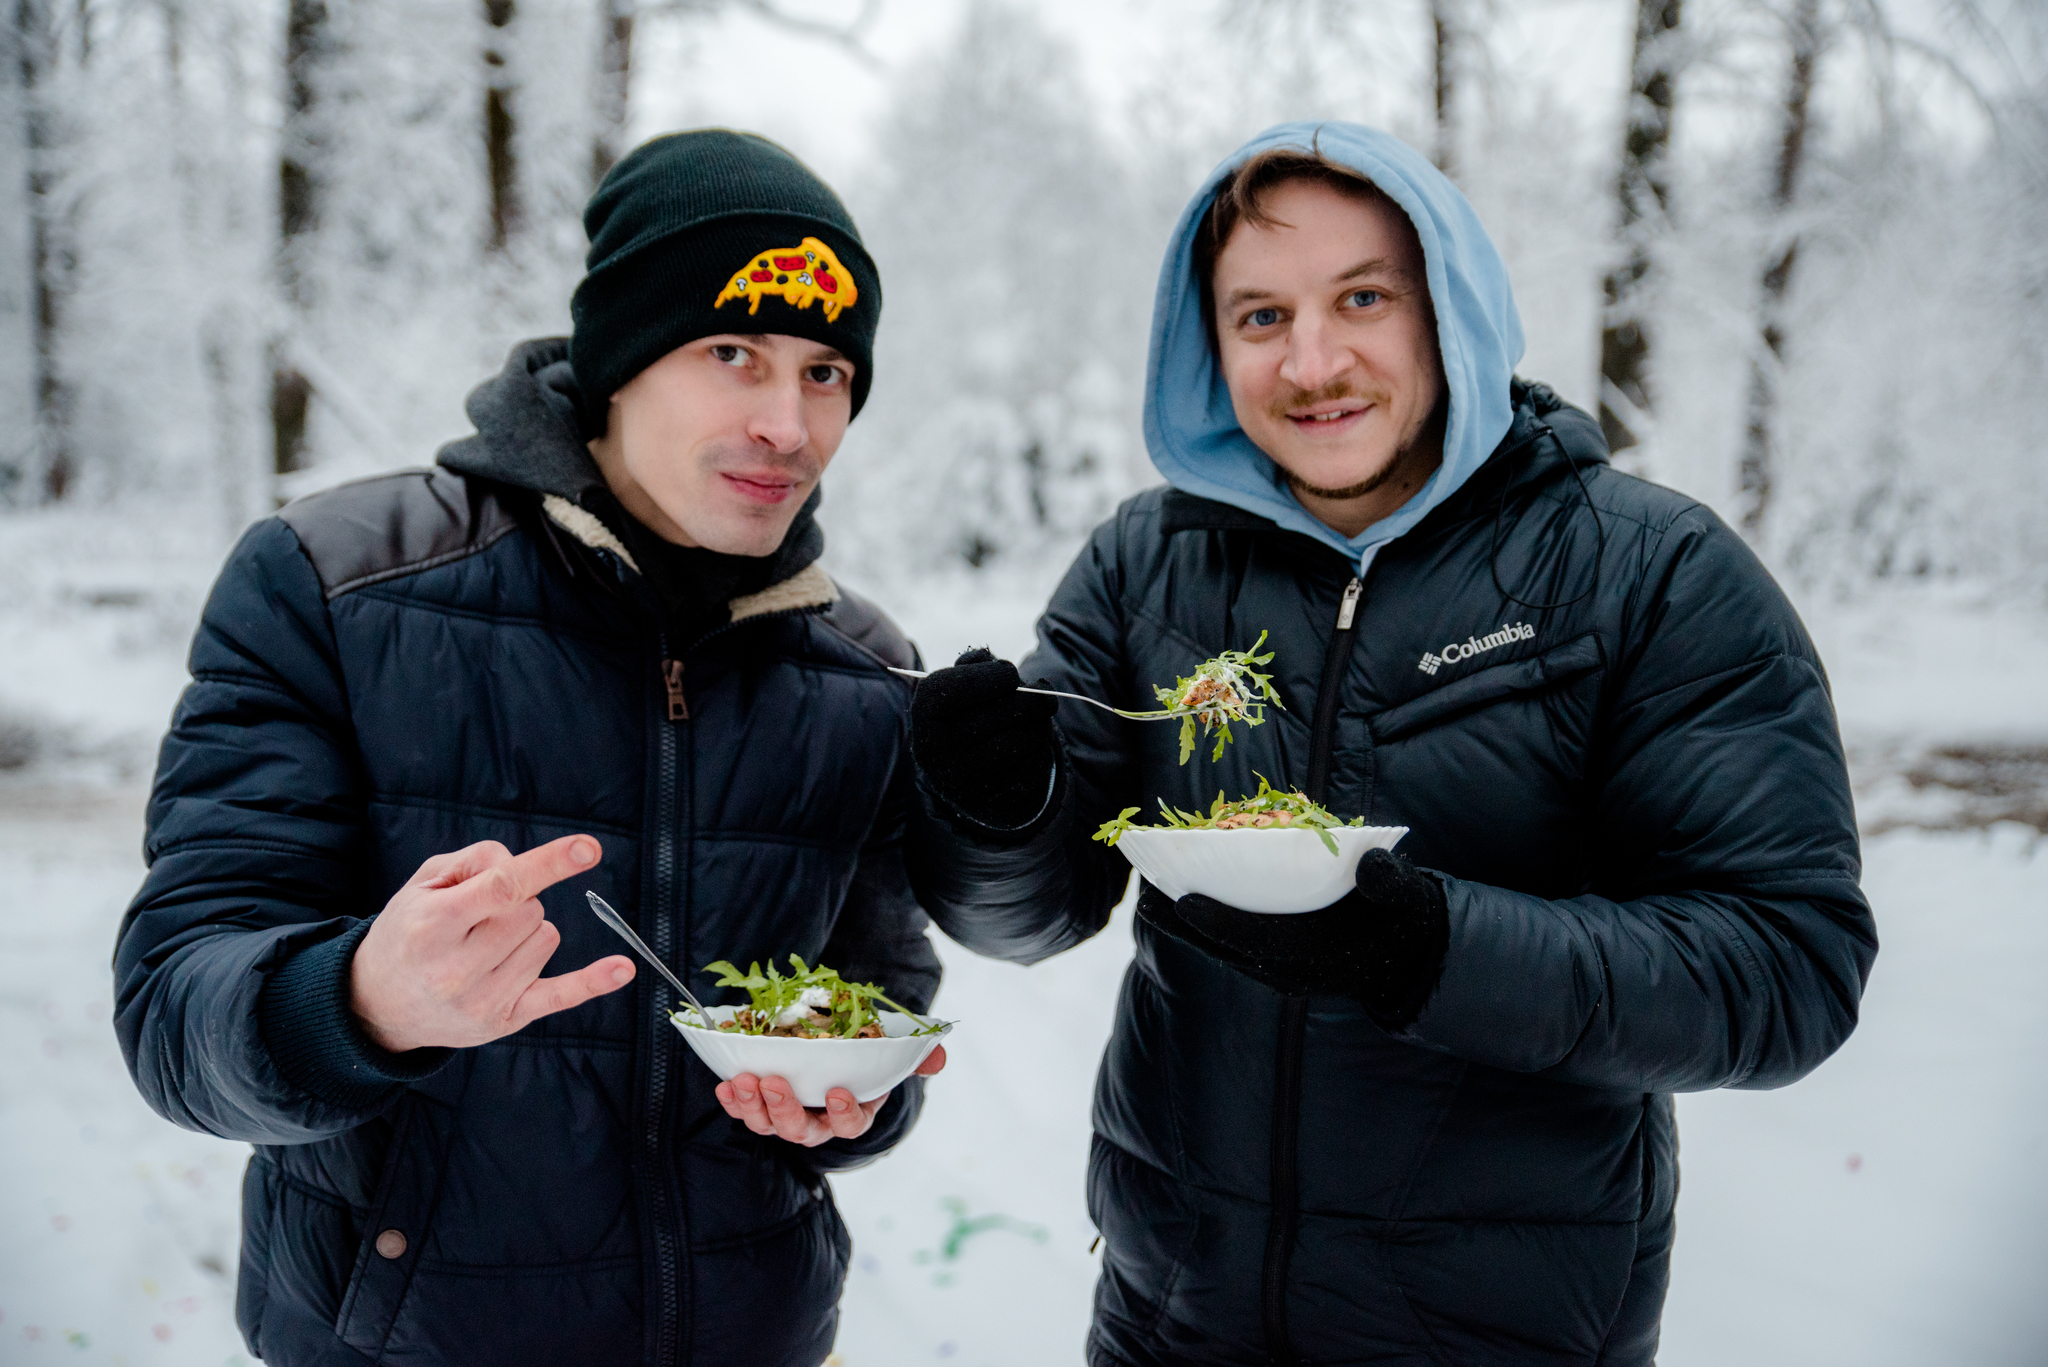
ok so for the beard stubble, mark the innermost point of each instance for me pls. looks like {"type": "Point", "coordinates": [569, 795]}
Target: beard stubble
{"type": "Point", "coordinates": [1402, 458]}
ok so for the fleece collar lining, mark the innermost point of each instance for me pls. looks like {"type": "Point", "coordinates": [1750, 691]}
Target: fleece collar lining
{"type": "Point", "coordinates": [586, 527]}
{"type": "Point", "coordinates": [809, 587]}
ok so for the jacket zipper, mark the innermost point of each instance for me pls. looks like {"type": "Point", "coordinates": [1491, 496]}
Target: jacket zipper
{"type": "Point", "coordinates": [662, 1199]}
{"type": "Point", "coordinates": [672, 679]}
{"type": "Point", "coordinates": [1323, 735]}
{"type": "Point", "coordinates": [1287, 1065]}
{"type": "Point", "coordinates": [661, 934]}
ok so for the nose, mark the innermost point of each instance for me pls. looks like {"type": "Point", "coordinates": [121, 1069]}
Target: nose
{"type": "Point", "coordinates": [778, 417]}
{"type": "Point", "coordinates": [1314, 354]}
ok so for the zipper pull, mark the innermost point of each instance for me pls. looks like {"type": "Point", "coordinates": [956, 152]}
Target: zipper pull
{"type": "Point", "coordinates": [1348, 608]}
{"type": "Point", "coordinates": [672, 676]}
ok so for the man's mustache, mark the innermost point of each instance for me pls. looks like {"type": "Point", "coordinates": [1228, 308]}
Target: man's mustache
{"type": "Point", "coordinates": [1283, 406]}
{"type": "Point", "coordinates": [801, 468]}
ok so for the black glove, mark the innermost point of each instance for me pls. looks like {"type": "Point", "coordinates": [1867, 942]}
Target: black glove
{"type": "Point", "coordinates": [1382, 943]}
{"type": "Point", "coordinates": [984, 748]}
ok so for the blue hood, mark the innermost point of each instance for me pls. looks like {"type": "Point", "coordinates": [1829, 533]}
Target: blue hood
{"type": "Point", "coordinates": [1190, 427]}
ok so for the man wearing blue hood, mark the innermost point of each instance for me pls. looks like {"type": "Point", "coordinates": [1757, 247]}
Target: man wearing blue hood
{"type": "Point", "coordinates": [1431, 1123]}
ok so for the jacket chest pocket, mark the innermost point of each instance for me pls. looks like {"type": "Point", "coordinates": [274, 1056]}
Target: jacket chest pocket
{"type": "Point", "coordinates": [1489, 770]}
{"type": "Point", "coordinates": [1545, 673]}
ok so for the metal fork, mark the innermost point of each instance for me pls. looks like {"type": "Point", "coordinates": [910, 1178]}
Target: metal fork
{"type": "Point", "coordinates": [1052, 693]}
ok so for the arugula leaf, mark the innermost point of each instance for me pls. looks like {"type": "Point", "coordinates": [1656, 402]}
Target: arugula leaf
{"type": "Point", "coordinates": [1114, 828]}
{"type": "Point", "coordinates": [734, 978]}
{"type": "Point", "coordinates": [770, 992]}
{"type": "Point", "coordinates": [1268, 807]}
{"type": "Point", "coordinates": [1226, 689]}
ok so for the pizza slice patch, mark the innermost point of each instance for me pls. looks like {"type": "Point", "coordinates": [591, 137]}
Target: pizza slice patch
{"type": "Point", "coordinates": [799, 276]}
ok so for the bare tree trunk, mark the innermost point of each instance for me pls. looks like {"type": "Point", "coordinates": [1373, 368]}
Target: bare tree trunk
{"type": "Point", "coordinates": [1644, 195]}
{"type": "Point", "coordinates": [1445, 20]}
{"type": "Point", "coordinates": [52, 259]}
{"type": "Point", "coordinates": [308, 47]}
{"type": "Point", "coordinates": [614, 84]}
{"type": "Point", "coordinates": [173, 14]}
{"type": "Point", "coordinates": [17, 310]}
{"type": "Point", "coordinates": [1766, 366]}
{"type": "Point", "coordinates": [500, 155]}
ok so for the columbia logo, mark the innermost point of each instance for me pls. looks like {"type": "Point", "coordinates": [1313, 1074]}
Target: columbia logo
{"type": "Point", "coordinates": [1434, 660]}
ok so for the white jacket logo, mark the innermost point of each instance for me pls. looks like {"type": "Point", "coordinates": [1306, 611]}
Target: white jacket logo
{"type": "Point", "coordinates": [1433, 660]}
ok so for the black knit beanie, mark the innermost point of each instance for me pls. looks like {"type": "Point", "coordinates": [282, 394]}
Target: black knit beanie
{"type": "Point", "coordinates": [714, 231]}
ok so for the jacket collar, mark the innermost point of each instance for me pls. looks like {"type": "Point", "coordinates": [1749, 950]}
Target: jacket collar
{"type": "Point", "coordinates": [809, 587]}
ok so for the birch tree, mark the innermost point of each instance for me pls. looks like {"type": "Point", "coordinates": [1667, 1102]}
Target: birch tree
{"type": "Point", "coordinates": [614, 86]}
{"type": "Point", "coordinates": [17, 325]}
{"type": "Point", "coordinates": [302, 174]}
{"type": "Point", "coordinates": [1810, 30]}
{"type": "Point", "coordinates": [39, 33]}
{"type": "Point", "coordinates": [1643, 202]}
{"type": "Point", "coordinates": [501, 154]}
{"type": "Point", "coordinates": [1448, 36]}
{"type": "Point", "coordinates": [1803, 50]}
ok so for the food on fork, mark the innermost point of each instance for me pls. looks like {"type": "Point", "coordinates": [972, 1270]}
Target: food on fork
{"type": "Point", "coordinates": [1219, 692]}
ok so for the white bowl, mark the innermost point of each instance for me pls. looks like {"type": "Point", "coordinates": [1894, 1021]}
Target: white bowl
{"type": "Point", "coordinates": [866, 1067]}
{"type": "Point", "coordinates": [1279, 870]}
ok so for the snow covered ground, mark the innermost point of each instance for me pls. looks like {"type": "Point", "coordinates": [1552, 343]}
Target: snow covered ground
{"type": "Point", "coordinates": [120, 1229]}
{"type": "Point", "coordinates": [1890, 1211]}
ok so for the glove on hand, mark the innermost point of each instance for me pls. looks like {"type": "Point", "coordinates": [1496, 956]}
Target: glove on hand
{"type": "Point", "coordinates": [1382, 944]}
{"type": "Point", "coordinates": [983, 747]}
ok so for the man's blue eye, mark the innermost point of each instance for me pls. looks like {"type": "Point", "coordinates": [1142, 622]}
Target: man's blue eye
{"type": "Point", "coordinates": [1364, 299]}
{"type": "Point", "coordinates": [1262, 318]}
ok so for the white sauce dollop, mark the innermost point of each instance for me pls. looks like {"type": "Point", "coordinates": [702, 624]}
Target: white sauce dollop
{"type": "Point", "coordinates": [800, 1009]}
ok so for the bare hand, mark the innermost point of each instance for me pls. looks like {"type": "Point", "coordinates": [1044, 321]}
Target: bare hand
{"type": "Point", "coordinates": [768, 1105]}
{"type": "Point", "coordinates": [455, 958]}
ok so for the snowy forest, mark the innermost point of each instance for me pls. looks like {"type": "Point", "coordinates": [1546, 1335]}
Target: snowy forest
{"type": "Point", "coordinates": [1791, 252]}
{"type": "Point", "coordinates": [1788, 248]}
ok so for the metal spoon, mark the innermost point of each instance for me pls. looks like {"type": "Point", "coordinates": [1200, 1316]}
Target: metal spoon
{"type": "Point", "coordinates": [1050, 693]}
{"type": "Point", "coordinates": [616, 922]}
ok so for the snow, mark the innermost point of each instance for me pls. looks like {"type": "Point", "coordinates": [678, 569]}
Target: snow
{"type": "Point", "coordinates": [1890, 1208]}
{"type": "Point", "coordinates": [1890, 1211]}
{"type": "Point", "coordinates": [1940, 664]}
{"type": "Point", "coordinates": [94, 622]}
{"type": "Point", "coordinates": [121, 1230]}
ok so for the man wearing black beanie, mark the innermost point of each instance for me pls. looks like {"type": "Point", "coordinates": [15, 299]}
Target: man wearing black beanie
{"type": "Point", "coordinates": [595, 633]}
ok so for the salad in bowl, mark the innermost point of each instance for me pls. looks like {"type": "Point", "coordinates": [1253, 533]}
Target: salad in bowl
{"type": "Point", "coordinates": [812, 1027]}
{"type": "Point", "coordinates": [1276, 851]}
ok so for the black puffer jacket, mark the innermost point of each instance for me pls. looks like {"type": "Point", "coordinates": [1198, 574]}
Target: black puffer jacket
{"type": "Point", "coordinates": [408, 665]}
{"type": "Point", "coordinates": [1641, 814]}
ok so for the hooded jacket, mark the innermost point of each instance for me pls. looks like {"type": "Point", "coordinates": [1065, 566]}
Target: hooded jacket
{"type": "Point", "coordinates": [410, 664]}
{"type": "Point", "coordinates": [1612, 743]}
